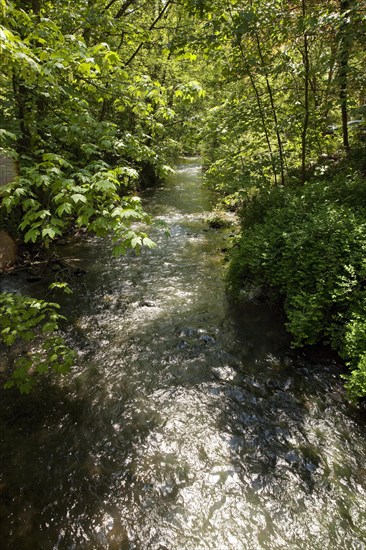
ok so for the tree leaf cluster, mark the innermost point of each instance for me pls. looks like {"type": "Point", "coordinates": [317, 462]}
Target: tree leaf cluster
{"type": "Point", "coordinates": [30, 327]}
{"type": "Point", "coordinates": [92, 97]}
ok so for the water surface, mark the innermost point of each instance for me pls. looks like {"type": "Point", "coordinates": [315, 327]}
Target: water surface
{"type": "Point", "coordinates": [188, 422]}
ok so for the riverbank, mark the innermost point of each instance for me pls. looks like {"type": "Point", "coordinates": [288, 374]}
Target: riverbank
{"type": "Point", "coordinates": [307, 244]}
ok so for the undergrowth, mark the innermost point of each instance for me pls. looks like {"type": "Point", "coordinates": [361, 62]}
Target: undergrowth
{"type": "Point", "coordinates": [309, 244]}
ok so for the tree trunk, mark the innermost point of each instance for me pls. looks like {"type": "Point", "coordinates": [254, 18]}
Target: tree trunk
{"type": "Point", "coordinates": [155, 22]}
{"type": "Point", "coordinates": [264, 125]}
{"type": "Point", "coordinates": [21, 97]}
{"type": "Point", "coordinates": [343, 57]}
{"type": "Point", "coordinates": [274, 112]}
{"type": "Point", "coordinates": [306, 97]}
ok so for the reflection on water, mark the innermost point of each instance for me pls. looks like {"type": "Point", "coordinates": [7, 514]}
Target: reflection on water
{"type": "Point", "coordinates": [188, 422]}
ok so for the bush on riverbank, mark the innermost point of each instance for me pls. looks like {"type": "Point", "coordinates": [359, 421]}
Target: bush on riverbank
{"type": "Point", "coordinates": [309, 243]}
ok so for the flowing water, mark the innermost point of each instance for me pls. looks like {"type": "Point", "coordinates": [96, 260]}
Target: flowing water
{"type": "Point", "coordinates": [187, 423]}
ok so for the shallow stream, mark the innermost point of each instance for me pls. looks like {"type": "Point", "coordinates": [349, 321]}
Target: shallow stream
{"type": "Point", "coordinates": [188, 423]}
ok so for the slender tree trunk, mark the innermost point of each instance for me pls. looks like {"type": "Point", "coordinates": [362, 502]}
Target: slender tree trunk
{"type": "Point", "coordinates": [306, 97]}
{"type": "Point", "coordinates": [274, 112]}
{"type": "Point", "coordinates": [163, 77]}
{"type": "Point", "coordinates": [87, 28]}
{"type": "Point", "coordinates": [104, 110]}
{"type": "Point", "coordinates": [261, 114]}
{"type": "Point", "coordinates": [36, 6]}
{"type": "Point", "coordinates": [330, 79]}
{"type": "Point", "coordinates": [264, 125]}
{"type": "Point", "coordinates": [153, 24]}
{"type": "Point", "coordinates": [344, 50]}
{"type": "Point", "coordinates": [21, 97]}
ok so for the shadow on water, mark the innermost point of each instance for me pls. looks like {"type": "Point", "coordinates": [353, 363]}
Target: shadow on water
{"type": "Point", "coordinates": [57, 475]}
{"type": "Point", "coordinates": [188, 422]}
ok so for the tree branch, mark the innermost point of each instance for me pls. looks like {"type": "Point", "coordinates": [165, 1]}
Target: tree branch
{"type": "Point", "coordinates": [150, 29]}
{"type": "Point", "coordinates": [123, 8]}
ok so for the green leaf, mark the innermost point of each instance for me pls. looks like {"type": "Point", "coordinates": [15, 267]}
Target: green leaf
{"type": "Point", "coordinates": [77, 197]}
{"type": "Point", "coordinates": [61, 285]}
{"type": "Point", "coordinates": [64, 207]}
{"type": "Point", "coordinates": [148, 242]}
{"type": "Point", "coordinates": [32, 235]}
{"type": "Point", "coordinates": [50, 232]}
{"type": "Point", "coordinates": [136, 241]}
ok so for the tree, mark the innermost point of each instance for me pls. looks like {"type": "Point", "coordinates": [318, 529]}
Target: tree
{"type": "Point", "coordinates": [290, 79]}
{"type": "Point", "coordinates": [87, 100]}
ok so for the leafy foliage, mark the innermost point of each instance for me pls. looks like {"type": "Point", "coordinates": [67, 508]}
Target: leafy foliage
{"type": "Point", "coordinates": [275, 109]}
{"type": "Point", "coordinates": [31, 326]}
{"type": "Point", "coordinates": [309, 244]}
{"type": "Point", "coordinates": [85, 121]}
{"type": "Point", "coordinates": [99, 98]}
{"type": "Point", "coordinates": [87, 198]}
{"type": "Point", "coordinates": [285, 106]}
{"type": "Point", "coordinates": [89, 93]}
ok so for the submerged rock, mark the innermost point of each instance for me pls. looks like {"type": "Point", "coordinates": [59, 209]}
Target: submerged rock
{"type": "Point", "coordinates": [208, 339]}
{"type": "Point", "coordinates": [147, 303]}
{"type": "Point", "coordinates": [182, 344]}
{"type": "Point", "coordinates": [187, 332]}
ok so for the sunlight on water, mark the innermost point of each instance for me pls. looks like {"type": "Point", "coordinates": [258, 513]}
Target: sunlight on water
{"type": "Point", "coordinates": [187, 423]}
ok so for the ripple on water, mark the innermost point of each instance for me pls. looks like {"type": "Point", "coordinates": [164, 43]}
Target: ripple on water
{"type": "Point", "coordinates": [187, 422]}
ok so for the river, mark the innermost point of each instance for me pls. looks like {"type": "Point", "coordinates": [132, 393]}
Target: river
{"type": "Point", "coordinates": [187, 423]}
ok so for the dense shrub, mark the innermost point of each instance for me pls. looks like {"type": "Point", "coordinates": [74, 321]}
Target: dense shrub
{"type": "Point", "coordinates": [309, 243]}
